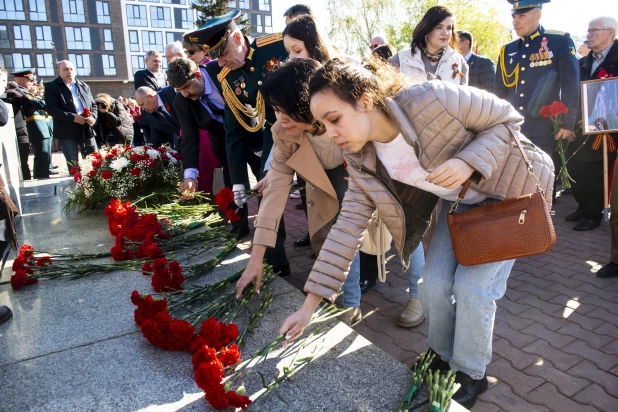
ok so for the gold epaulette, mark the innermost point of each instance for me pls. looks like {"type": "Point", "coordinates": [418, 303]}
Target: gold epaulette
{"type": "Point", "coordinates": [222, 74]}
{"type": "Point", "coordinates": [558, 32]}
{"type": "Point", "coordinates": [270, 39]}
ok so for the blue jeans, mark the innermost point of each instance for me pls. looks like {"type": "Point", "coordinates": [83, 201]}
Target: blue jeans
{"type": "Point", "coordinates": [351, 287]}
{"type": "Point", "coordinates": [415, 271]}
{"type": "Point", "coordinates": [460, 302]}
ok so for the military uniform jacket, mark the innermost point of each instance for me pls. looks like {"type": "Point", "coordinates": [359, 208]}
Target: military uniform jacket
{"type": "Point", "coordinates": [33, 110]}
{"type": "Point", "coordinates": [245, 82]}
{"type": "Point", "coordinates": [535, 71]}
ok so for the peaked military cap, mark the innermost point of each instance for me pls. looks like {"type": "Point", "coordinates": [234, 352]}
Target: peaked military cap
{"type": "Point", "coordinates": [28, 73]}
{"type": "Point", "coordinates": [214, 33]}
{"type": "Point", "coordinates": [522, 6]}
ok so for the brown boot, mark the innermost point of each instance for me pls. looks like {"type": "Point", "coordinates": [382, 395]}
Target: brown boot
{"type": "Point", "coordinates": [412, 314]}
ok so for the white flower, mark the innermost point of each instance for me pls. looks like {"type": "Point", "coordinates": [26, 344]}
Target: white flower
{"type": "Point", "coordinates": [120, 163]}
{"type": "Point", "coordinates": [153, 154]}
{"type": "Point", "coordinates": [139, 150]}
{"type": "Point", "coordinates": [173, 160]}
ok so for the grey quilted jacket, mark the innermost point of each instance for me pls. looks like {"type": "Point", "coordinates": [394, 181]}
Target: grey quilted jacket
{"type": "Point", "coordinates": [441, 121]}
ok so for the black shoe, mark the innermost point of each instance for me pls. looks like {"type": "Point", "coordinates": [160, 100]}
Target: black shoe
{"type": "Point", "coordinates": [437, 364]}
{"type": "Point", "coordinates": [304, 241]}
{"type": "Point", "coordinates": [240, 232]}
{"type": "Point", "coordinates": [575, 216]}
{"type": "Point", "coordinates": [5, 314]}
{"type": "Point", "coordinates": [586, 224]}
{"type": "Point", "coordinates": [54, 172]}
{"type": "Point", "coordinates": [568, 191]}
{"type": "Point", "coordinates": [299, 206]}
{"type": "Point", "coordinates": [283, 270]}
{"type": "Point", "coordinates": [608, 271]}
{"type": "Point", "coordinates": [470, 389]}
{"type": "Point", "coordinates": [366, 286]}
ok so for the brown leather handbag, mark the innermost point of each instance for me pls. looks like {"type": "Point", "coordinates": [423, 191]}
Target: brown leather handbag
{"type": "Point", "coordinates": [503, 230]}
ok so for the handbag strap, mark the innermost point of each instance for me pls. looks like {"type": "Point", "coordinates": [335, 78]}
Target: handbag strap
{"type": "Point", "coordinates": [524, 156]}
{"type": "Point", "coordinates": [380, 248]}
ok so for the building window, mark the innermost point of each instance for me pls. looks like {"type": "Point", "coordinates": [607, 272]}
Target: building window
{"type": "Point", "coordinates": [73, 11]}
{"type": "Point", "coordinates": [78, 38]}
{"type": "Point", "coordinates": [187, 19]}
{"type": "Point", "coordinates": [243, 4]}
{"type": "Point", "coordinates": [43, 37]}
{"type": "Point", "coordinates": [37, 10]}
{"type": "Point", "coordinates": [268, 24]}
{"type": "Point", "coordinates": [258, 23]}
{"type": "Point", "coordinates": [137, 63]}
{"type": "Point", "coordinates": [174, 1]}
{"type": "Point", "coordinates": [4, 37]}
{"type": "Point", "coordinates": [171, 37]}
{"type": "Point", "coordinates": [109, 65]}
{"type": "Point", "coordinates": [21, 34]}
{"type": "Point", "coordinates": [44, 65]}
{"type": "Point", "coordinates": [103, 13]}
{"type": "Point", "coordinates": [160, 17]}
{"type": "Point", "coordinates": [17, 61]}
{"type": "Point", "coordinates": [108, 42]}
{"type": "Point", "coordinates": [136, 16]}
{"type": "Point", "coordinates": [150, 1]}
{"type": "Point", "coordinates": [264, 5]}
{"type": "Point", "coordinates": [152, 40]}
{"type": "Point", "coordinates": [12, 10]}
{"type": "Point", "coordinates": [81, 63]}
{"type": "Point", "coordinates": [133, 41]}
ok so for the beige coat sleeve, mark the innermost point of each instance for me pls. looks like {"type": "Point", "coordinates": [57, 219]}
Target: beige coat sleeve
{"type": "Point", "coordinates": [488, 116]}
{"type": "Point", "coordinates": [275, 197]}
{"type": "Point", "coordinates": [333, 264]}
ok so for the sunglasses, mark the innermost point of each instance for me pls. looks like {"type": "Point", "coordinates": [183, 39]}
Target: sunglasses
{"type": "Point", "coordinates": [190, 52]}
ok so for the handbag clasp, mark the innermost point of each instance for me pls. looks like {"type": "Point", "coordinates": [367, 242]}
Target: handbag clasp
{"type": "Point", "coordinates": [522, 216]}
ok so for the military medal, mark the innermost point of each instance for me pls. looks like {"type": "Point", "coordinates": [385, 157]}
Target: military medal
{"type": "Point", "coordinates": [238, 91]}
{"type": "Point", "coordinates": [543, 57]}
{"type": "Point", "coordinates": [245, 93]}
{"type": "Point", "coordinates": [270, 64]}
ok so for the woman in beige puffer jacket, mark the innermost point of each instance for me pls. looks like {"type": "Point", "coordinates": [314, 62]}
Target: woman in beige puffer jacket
{"type": "Point", "coordinates": [407, 146]}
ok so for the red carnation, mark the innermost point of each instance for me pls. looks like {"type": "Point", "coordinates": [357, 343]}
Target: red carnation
{"type": "Point", "coordinates": [231, 215]}
{"type": "Point", "coordinates": [216, 396]}
{"type": "Point", "coordinates": [26, 250]}
{"type": "Point", "coordinates": [20, 279]}
{"type": "Point", "coordinates": [106, 174]}
{"type": "Point", "coordinates": [135, 157]}
{"type": "Point", "coordinates": [208, 375]}
{"type": "Point", "coordinates": [92, 173]}
{"type": "Point", "coordinates": [19, 263]}
{"type": "Point", "coordinates": [77, 177]}
{"type": "Point", "coordinates": [224, 198]}
{"type": "Point", "coordinates": [44, 261]}
{"type": "Point", "coordinates": [546, 111]}
{"type": "Point", "coordinates": [229, 356]}
{"type": "Point", "coordinates": [86, 112]}
{"type": "Point", "coordinates": [136, 171]}
{"type": "Point", "coordinates": [97, 163]}
{"type": "Point", "coordinates": [147, 268]}
{"type": "Point", "coordinates": [237, 401]}
{"type": "Point", "coordinates": [204, 354]}
{"type": "Point", "coordinates": [603, 74]}
{"type": "Point", "coordinates": [558, 108]}
{"type": "Point", "coordinates": [74, 170]}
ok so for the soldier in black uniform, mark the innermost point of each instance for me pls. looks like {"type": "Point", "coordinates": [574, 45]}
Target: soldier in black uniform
{"type": "Point", "coordinates": [33, 110]}
{"type": "Point", "coordinates": [535, 70]}
{"type": "Point", "coordinates": [247, 118]}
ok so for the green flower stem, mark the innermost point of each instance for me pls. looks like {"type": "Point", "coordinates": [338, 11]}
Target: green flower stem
{"type": "Point", "coordinates": [196, 271]}
{"type": "Point", "coordinates": [419, 374]}
{"type": "Point", "coordinates": [441, 389]}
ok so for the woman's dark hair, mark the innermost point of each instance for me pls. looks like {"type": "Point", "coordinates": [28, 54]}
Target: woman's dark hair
{"type": "Point", "coordinates": [305, 29]}
{"type": "Point", "coordinates": [286, 88]}
{"type": "Point", "coordinates": [384, 51]}
{"type": "Point", "coordinates": [349, 81]}
{"type": "Point", "coordinates": [430, 20]}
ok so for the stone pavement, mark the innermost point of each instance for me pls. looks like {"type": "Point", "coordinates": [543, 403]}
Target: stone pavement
{"type": "Point", "coordinates": [555, 338]}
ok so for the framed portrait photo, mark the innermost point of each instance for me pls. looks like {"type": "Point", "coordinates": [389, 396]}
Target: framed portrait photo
{"type": "Point", "coordinates": [600, 106]}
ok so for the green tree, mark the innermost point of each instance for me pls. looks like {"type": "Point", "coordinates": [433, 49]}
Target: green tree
{"type": "Point", "coordinates": [207, 9]}
{"type": "Point", "coordinates": [354, 22]}
{"type": "Point", "coordinates": [479, 17]}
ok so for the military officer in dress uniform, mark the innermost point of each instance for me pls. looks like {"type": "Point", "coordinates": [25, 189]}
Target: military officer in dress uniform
{"type": "Point", "coordinates": [535, 70]}
{"type": "Point", "coordinates": [33, 110]}
{"type": "Point", "coordinates": [247, 118]}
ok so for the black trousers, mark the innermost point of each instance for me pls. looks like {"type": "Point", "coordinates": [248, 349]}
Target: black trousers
{"type": "Point", "coordinates": [588, 187]}
{"type": "Point", "coordinates": [24, 151]}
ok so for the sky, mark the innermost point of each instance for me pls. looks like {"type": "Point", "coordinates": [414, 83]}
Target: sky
{"type": "Point", "coordinates": [566, 15]}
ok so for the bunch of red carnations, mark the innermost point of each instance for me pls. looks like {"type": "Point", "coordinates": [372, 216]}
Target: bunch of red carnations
{"type": "Point", "coordinates": [23, 267]}
{"type": "Point", "coordinates": [225, 199]}
{"type": "Point", "coordinates": [127, 224]}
